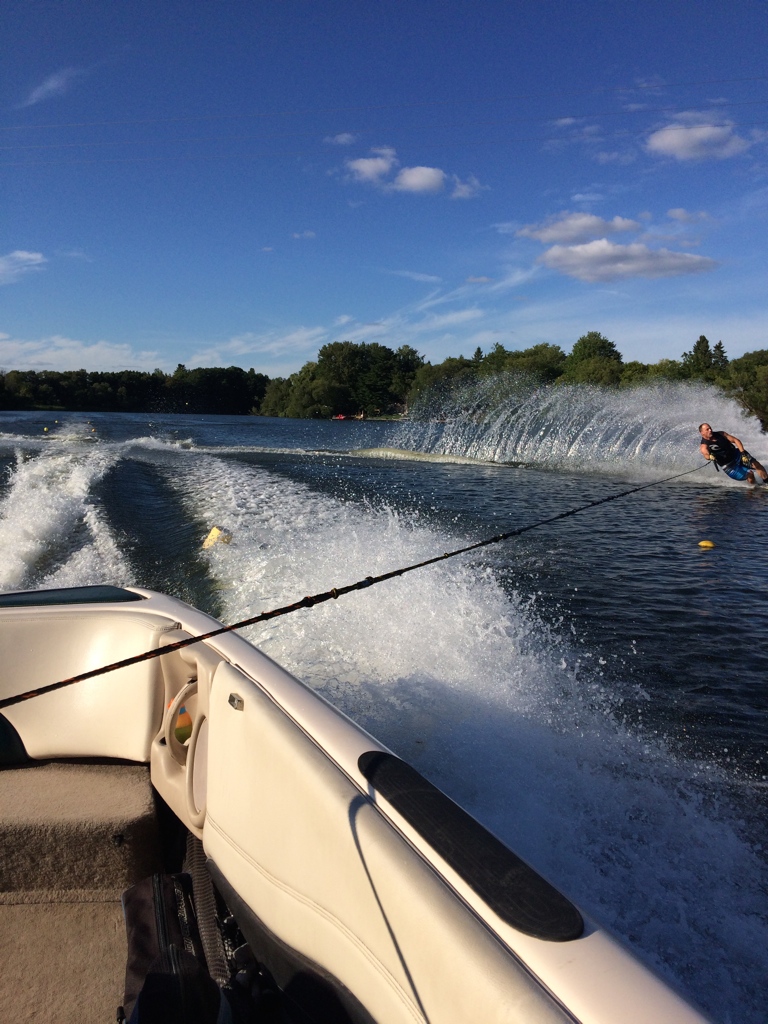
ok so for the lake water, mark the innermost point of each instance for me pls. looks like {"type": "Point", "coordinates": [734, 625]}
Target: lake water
{"type": "Point", "coordinates": [595, 691]}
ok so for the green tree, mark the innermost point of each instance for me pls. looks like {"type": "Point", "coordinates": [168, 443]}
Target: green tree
{"type": "Point", "coordinates": [276, 395]}
{"type": "Point", "coordinates": [441, 376]}
{"type": "Point", "coordinates": [303, 401]}
{"type": "Point", "coordinates": [597, 370]}
{"type": "Point", "coordinates": [407, 363]}
{"type": "Point", "coordinates": [668, 369]}
{"type": "Point", "coordinates": [748, 382]}
{"type": "Point", "coordinates": [698, 362]}
{"type": "Point", "coordinates": [719, 358]}
{"type": "Point", "coordinates": [494, 361]}
{"type": "Point", "coordinates": [593, 345]}
{"type": "Point", "coordinates": [634, 373]}
{"type": "Point", "coordinates": [544, 361]}
{"type": "Point", "coordinates": [257, 386]}
{"type": "Point", "coordinates": [367, 377]}
{"type": "Point", "coordinates": [593, 360]}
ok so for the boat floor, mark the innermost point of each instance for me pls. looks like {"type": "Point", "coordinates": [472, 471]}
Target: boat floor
{"type": "Point", "coordinates": [72, 838]}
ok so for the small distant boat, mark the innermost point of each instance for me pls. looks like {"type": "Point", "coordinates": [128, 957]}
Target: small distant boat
{"type": "Point", "coordinates": [362, 891]}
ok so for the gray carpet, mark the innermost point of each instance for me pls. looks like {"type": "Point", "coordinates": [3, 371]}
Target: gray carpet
{"type": "Point", "coordinates": [72, 838]}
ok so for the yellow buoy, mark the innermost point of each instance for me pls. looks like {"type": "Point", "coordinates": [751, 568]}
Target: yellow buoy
{"type": "Point", "coordinates": [217, 534]}
{"type": "Point", "coordinates": [706, 544]}
{"type": "Point", "coordinates": [45, 430]}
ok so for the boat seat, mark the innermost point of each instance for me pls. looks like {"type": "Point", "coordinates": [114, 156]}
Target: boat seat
{"type": "Point", "coordinates": [111, 716]}
{"type": "Point", "coordinates": [72, 838]}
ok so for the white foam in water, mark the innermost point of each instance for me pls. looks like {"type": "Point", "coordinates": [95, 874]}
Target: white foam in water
{"type": "Point", "coordinates": [46, 514]}
{"type": "Point", "coordinates": [98, 560]}
{"type": "Point", "coordinates": [579, 427]}
{"type": "Point", "coordinates": [467, 683]}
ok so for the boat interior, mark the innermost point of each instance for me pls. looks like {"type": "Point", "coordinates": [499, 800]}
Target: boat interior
{"type": "Point", "coordinates": [329, 876]}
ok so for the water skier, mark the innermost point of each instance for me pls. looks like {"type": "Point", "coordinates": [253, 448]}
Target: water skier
{"type": "Point", "coordinates": [727, 452]}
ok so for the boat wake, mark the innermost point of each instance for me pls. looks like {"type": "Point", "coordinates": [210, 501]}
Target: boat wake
{"type": "Point", "coordinates": [52, 534]}
{"type": "Point", "coordinates": [406, 455]}
{"type": "Point", "coordinates": [579, 428]}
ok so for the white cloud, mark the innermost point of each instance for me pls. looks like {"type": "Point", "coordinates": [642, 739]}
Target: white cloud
{"type": "Point", "coordinates": [342, 139]}
{"type": "Point", "coordinates": [17, 263]}
{"type": "Point", "coordinates": [74, 254]}
{"type": "Point", "coordinates": [377, 170]}
{"type": "Point", "coordinates": [478, 280]}
{"type": "Point", "coordinates": [419, 179]}
{"type": "Point", "coordinates": [575, 227]}
{"type": "Point", "coordinates": [372, 169]}
{"type": "Point", "coordinates": [514, 277]}
{"type": "Point", "coordinates": [422, 324]}
{"type": "Point", "coordinates": [440, 321]}
{"type": "Point", "coordinates": [298, 342]}
{"type": "Point", "coordinates": [467, 189]}
{"type": "Point", "coordinates": [691, 136]}
{"type": "Point", "coordinates": [54, 85]}
{"type": "Point", "coordinates": [61, 353]}
{"type": "Point", "coordinates": [685, 217]}
{"type": "Point", "coordinates": [602, 260]}
{"type": "Point", "coordinates": [340, 321]}
{"type": "Point", "coordinates": [303, 234]}
{"type": "Point", "coordinates": [413, 275]}
{"type": "Point", "coordinates": [576, 130]}
{"type": "Point", "coordinates": [616, 157]}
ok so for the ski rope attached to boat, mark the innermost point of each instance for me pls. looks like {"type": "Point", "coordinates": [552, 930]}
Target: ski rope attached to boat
{"type": "Point", "coordinates": [335, 592]}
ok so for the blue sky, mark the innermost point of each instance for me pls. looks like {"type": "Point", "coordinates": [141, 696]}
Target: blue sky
{"type": "Point", "coordinates": [220, 182]}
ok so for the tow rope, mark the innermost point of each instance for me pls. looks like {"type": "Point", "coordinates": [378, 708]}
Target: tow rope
{"type": "Point", "coordinates": [333, 594]}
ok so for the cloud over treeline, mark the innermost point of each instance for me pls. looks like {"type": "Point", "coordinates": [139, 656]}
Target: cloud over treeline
{"type": "Point", "coordinates": [58, 352]}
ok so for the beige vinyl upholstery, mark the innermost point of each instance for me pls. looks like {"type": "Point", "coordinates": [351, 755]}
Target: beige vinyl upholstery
{"type": "Point", "coordinates": [116, 715]}
{"type": "Point", "coordinates": [327, 875]}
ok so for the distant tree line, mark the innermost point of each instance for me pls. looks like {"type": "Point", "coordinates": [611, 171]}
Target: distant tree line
{"type": "Point", "coordinates": [347, 379]}
{"type": "Point", "coordinates": [229, 390]}
{"type": "Point", "coordinates": [369, 379]}
{"type": "Point", "coordinates": [596, 360]}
